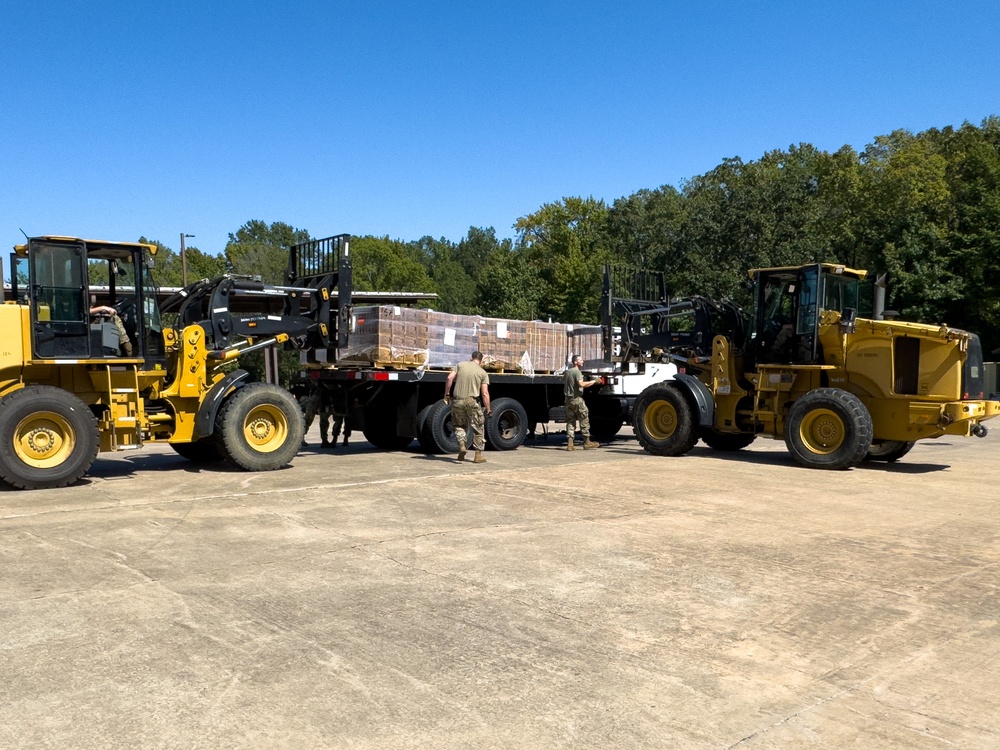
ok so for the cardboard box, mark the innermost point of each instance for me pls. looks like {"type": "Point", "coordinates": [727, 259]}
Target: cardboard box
{"type": "Point", "coordinates": [387, 336]}
{"type": "Point", "coordinates": [587, 341]}
{"type": "Point", "coordinates": [402, 337]}
{"type": "Point", "coordinates": [503, 343]}
{"type": "Point", "coordinates": [548, 348]}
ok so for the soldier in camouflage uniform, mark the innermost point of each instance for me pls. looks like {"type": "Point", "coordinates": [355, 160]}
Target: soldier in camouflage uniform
{"type": "Point", "coordinates": [124, 343]}
{"type": "Point", "coordinates": [313, 404]}
{"type": "Point", "coordinates": [471, 386]}
{"type": "Point", "coordinates": [576, 407]}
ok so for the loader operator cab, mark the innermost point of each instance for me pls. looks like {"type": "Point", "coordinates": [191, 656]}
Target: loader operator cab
{"type": "Point", "coordinates": [789, 305]}
{"type": "Point", "coordinates": [57, 277]}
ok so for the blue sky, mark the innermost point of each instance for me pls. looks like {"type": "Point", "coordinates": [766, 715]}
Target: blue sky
{"type": "Point", "coordinates": [425, 118]}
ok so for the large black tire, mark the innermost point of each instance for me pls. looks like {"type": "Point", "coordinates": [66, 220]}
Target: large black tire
{"type": "Point", "coordinates": [442, 431]}
{"type": "Point", "coordinates": [664, 421]}
{"type": "Point", "coordinates": [726, 442]}
{"type": "Point", "coordinates": [828, 429]}
{"type": "Point", "coordinates": [259, 427]}
{"type": "Point", "coordinates": [380, 429]}
{"type": "Point", "coordinates": [48, 438]}
{"type": "Point", "coordinates": [604, 429]}
{"type": "Point", "coordinates": [424, 437]}
{"type": "Point", "coordinates": [507, 426]}
{"type": "Point", "coordinates": [200, 452]}
{"type": "Point", "coordinates": [888, 450]}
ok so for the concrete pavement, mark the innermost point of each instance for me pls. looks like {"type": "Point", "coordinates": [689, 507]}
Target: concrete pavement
{"type": "Point", "coordinates": [595, 599]}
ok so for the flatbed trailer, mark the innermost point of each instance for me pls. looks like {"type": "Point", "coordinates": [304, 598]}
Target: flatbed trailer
{"type": "Point", "coordinates": [395, 404]}
{"type": "Point", "coordinates": [392, 407]}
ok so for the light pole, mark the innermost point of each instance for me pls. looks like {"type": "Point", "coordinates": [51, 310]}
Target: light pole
{"type": "Point", "coordinates": [184, 262]}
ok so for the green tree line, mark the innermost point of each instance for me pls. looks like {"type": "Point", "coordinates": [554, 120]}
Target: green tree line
{"type": "Point", "coordinates": [922, 208]}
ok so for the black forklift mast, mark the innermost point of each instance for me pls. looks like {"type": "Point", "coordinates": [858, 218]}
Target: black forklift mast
{"type": "Point", "coordinates": [636, 303]}
{"type": "Point", "coordinates": [324, 266]}
{"type": "Point", "coordinates": [307, 310]}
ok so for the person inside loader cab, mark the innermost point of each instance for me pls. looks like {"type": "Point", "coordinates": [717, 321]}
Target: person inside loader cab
{"type": "Point", "coordinates": [111, 315]}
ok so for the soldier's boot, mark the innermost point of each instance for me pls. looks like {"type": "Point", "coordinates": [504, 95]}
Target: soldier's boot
{"type": "Point", "coordinates": [461, 454]}
{"type": "Point", "coordinates": [569, 444]}
{"type": "Point", "coordinates": [479, 458]}
{"type": "Point", "coordinates": [588, 444]}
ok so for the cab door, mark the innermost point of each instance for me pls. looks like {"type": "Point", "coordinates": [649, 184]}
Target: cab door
{"type": "Point", "coordinates": [57, 294]}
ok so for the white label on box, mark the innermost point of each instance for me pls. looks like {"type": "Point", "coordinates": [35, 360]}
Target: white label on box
{"type": "Point", "coordinates": [502, 329]}
{"type": "Point", "coordinates": [449, 337]}
{"type": "Point", "coordinates": [397, 310]}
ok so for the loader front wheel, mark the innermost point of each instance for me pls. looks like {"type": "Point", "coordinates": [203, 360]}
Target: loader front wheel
{"type": "Point", "coordinates": [48, 438]}
{"type": "Point", "coordinates": [259, 427]}
{"type": "Point", "coordinates": [663, 421]}
{"type": "Point", "coordinates": [828, 429]}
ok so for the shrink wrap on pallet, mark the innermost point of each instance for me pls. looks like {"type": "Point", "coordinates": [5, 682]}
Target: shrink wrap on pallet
{"type": "Point", "coordinates": [451, 338]}
{"type": "Point", "coordinates": [503, 343]}
{"type": "Point", "coordinates": [387, 335]}
{"type": "Point", "coordinates": [587, 341]}
{"type": "Point", "coordinates": [548, 348]}
{"type": "Point", "coordinates": [406, 338]}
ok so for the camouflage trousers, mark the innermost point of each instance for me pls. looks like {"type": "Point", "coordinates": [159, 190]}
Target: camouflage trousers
{"type": "Point", "coordinates": [577, 411]}
{"type": "Point", "coordinates": [466, 413]}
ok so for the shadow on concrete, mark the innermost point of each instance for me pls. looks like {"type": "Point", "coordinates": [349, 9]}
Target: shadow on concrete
{"type": "Point", "coordinates": [774, 458]}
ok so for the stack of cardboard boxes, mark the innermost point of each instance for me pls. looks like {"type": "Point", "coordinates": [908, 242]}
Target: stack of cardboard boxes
{"type": "Point", "coordinates": [402, 337]}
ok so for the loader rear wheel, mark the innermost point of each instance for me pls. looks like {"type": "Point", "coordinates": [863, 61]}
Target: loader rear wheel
{"type": "Point", "coordinates": [888, 450]}
{"type": "Point", "coordinates": [48, 438]}
{"type": "Point", "coordinates": [663, 421]}
{"type": "Point", "coordinates": [828, 429]}
{"type": "Point", "coordinates": [726, 441]}
{"type": "Point", "coordinates": [259, 427]}
{"type": "Point", "coordinates": [201, 452]}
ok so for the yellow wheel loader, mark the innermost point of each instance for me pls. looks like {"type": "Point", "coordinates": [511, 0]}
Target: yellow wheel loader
{"type": "Point", "coordinates": [812, 364]}
{"type": "Point", "coordinates": [78, 377]}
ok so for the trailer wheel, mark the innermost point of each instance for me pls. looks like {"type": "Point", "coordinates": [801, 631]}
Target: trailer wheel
{"type": "Point", "coordinates": [888, 450]}
{"type": "Point", "coordinates": [384, 436]}
{"type": "Point", "coordinates": [442, 431]}
{"type": "Point", "coordinates": [663, 421]}
{"type": "Point", "coordinates": [828, 429]}
{"type": "Point", "coordinates": [259, 427]}
{"type": "Point", "coordinates": [726, 441]}
{"type": "Point", "coordinates": [380, 428]}
{"type": "Point", "coordinates": [424, 437]}
{"type": "Point", "coordinates": [507, 426]}
{"type": "Point", "coordinates": [604, 429]}
{"type": "Point", "coordinates": [48, 438]}
{"type": "Point", "coordinates": [200, 452]}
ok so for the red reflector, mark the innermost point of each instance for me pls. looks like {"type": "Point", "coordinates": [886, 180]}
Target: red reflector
{"type": "Point", "coordinates": [380, 376]}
